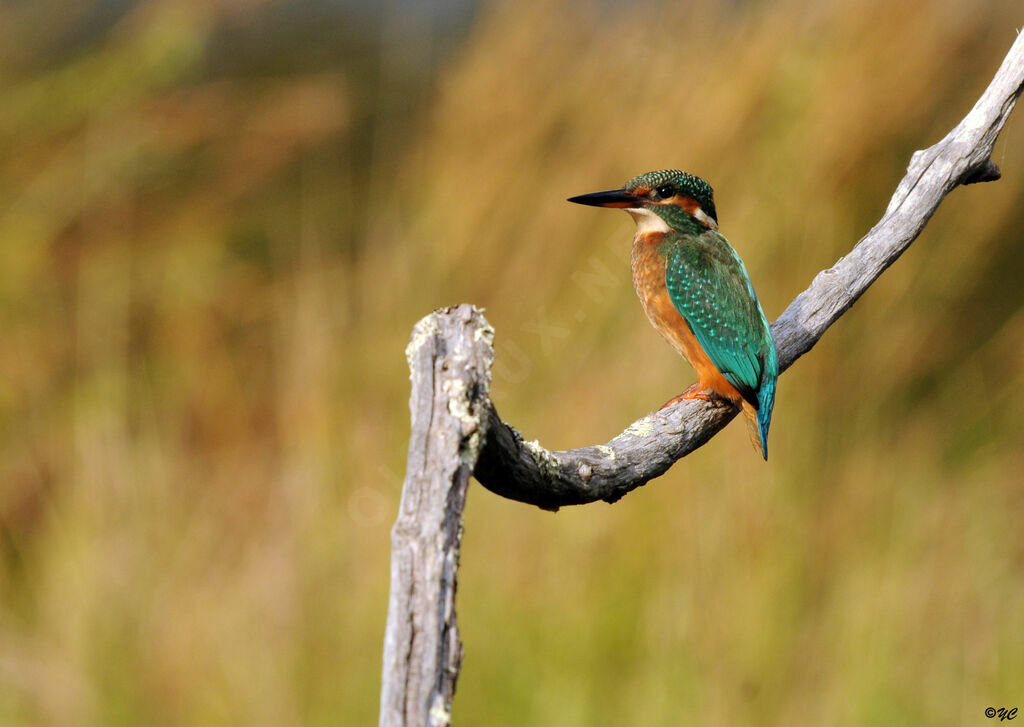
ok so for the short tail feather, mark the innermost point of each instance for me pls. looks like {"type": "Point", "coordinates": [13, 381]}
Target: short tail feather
{"type": "Point", "coordinates": [758, 441]}
{"type": "Point", "coordinates": [759, 419]}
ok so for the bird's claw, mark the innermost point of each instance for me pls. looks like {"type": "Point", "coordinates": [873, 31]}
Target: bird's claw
{"type": "Point", "coordinates": [692, 392]}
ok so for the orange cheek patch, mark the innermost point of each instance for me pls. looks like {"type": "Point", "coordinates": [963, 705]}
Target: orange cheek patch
{"type": "Point", "coordinates": [692, 207]}
{"type": "Point", "coordinates": [689, 204]}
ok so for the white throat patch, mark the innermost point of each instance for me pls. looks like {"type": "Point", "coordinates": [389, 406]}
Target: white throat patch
{"type": "Point", "coordinates": [647, 221]}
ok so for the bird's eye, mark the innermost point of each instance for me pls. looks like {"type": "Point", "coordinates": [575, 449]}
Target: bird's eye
{"type": "Point", "coordinates": [665, 191]}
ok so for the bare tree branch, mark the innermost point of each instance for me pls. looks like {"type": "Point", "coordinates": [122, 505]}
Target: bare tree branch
{"type": "Point", "coordinates": [455, 429]}
{"type": "Point", "coordinates": [525, 471]}
{"type": "Point", "coordinates": [450, 358]}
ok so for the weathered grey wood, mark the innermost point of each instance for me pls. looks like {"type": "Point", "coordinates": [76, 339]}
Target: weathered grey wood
{"type": "Point", "coordinates": [456, 430]}
{"type": "Point", "coordinates": [450, 358]}
{"type": "Point", "coordinates": [525, 471]}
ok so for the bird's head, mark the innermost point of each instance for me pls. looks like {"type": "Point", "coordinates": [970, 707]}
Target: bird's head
{"type": "Point", "coordinates": [660, 201]}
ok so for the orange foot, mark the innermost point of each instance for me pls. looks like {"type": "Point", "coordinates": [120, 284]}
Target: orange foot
{"type": "Point", "coordinates": [693, 392]}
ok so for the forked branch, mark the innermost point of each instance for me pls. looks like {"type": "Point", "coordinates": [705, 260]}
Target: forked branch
{"type": "Point", "coordinates": [455, 429]}
{"type": "Point", "coordinates": [525, 471]}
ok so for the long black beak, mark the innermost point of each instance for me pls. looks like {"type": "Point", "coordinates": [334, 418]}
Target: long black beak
{"type": "Point", "coordinates": [611, 198]}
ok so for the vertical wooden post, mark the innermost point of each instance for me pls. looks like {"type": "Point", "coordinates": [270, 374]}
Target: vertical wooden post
{"type": "Point", "coordinates": [450, 356]}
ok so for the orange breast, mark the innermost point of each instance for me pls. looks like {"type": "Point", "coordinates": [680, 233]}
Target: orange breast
{"type": "Point", "coordinates": [649, 280]}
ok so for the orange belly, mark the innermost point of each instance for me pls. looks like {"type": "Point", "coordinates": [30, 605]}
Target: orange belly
{"type": "Point", "coordinates": [649, 280]}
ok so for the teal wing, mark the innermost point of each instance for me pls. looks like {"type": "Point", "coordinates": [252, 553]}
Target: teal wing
{"type": "Point", "coordinates": [710, 288]}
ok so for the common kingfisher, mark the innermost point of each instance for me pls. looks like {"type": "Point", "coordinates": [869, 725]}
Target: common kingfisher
{"type": "Point", "coordinates": [697, 294]}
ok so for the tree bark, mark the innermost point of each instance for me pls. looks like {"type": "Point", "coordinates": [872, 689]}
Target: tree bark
{"type": "Point", "coordinates": [456, 430]}
{"type": "Point", "coordinates": [450, 358]}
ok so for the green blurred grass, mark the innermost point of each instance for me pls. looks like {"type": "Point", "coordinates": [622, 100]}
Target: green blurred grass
{"type": "Point", "coordinates": [216, 235]}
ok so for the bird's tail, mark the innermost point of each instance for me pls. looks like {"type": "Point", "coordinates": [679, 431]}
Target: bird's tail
{"type": "Point", "coordinates": [759, 419]}
{"type": "Point", "coordinates": [754, 429]}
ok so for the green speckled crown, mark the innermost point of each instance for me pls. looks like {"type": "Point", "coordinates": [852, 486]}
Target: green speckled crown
{"type": "Point", "coordinates": [684, 183]}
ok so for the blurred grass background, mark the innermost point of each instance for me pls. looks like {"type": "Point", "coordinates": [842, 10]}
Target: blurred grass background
{"type": "Point", "coordinates": [219, 222]}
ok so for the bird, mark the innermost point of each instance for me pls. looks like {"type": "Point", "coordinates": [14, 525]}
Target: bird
{"type": "Point", "coordinates": [697, 293]}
